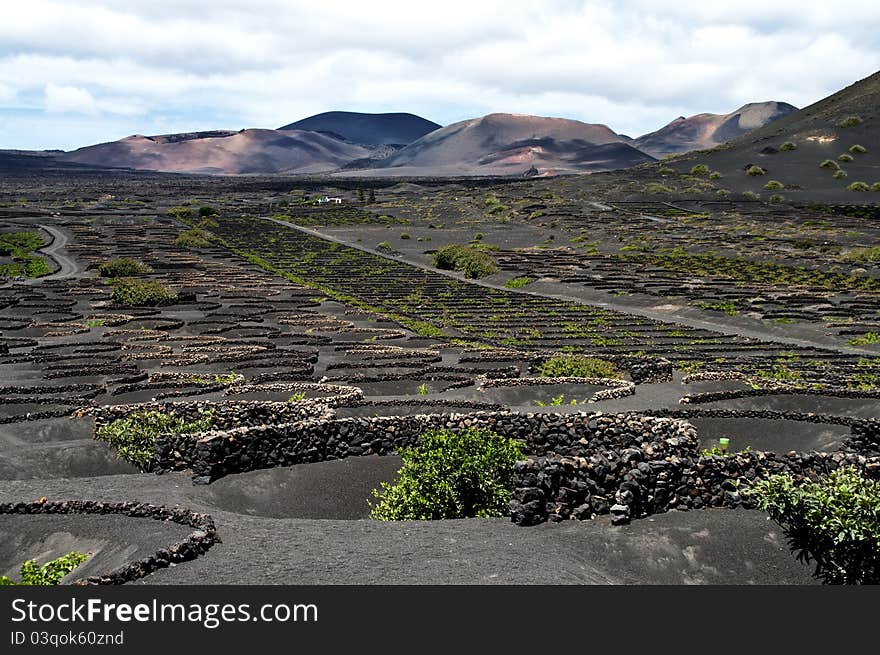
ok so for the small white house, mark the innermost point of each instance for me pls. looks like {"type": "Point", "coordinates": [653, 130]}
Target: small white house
{"type": "Point", "coordinates": [335, 200]}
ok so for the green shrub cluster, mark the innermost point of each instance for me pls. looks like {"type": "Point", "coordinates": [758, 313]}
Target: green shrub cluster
{"type": "Point", "coordinates": [829, 163]}
{"type": "Point", "coordinates": [577, 366]}
{"type": "Point", "coordinates": [20, 246]}
{"type": "Point", "coordinates": [773, 185]}
{"type": "Point", "coordinates": [471, 261]}
{"type": "Point", "coordinates": [451, 474]}
{"type": "Point", "coordinates": [700, 169]}
{"type": "Point", "coordinates": [787, 146]}
{"type": "Point", "coordinates": [755, 170]}
{"type": "Point", "coordinates": [858, 186]}
{"type": "Point", "coordinates": [834, 522]}
{"type": "Point", "coordinates": [134, 437]}
{"type": "Point", "coordinates": [857, 149]}
{"type": "Point", "coordinates": [141, 293]}
{"type": "Point", "coordinates": [122, 267]}
{"type": "Point", "coordinates": [850, 121]}
{"type": "Point", "coordinates": [656, 187]}
{"type": "Point", "coordinates": [50, 573]}
{"type": "Point", "coordinates": [518, 282]}
{"type": "Point", "coordinates": [193, 238]}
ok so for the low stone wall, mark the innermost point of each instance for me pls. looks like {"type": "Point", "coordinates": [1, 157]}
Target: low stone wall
{"type": "Point", "coordinates": [636, 480]}
{"type": "Point", "coordinates": [215, 454]}
{"type": "Point", "coordinates": [197, 543]}
{"type": "Point", "coordinates": [616, 388]}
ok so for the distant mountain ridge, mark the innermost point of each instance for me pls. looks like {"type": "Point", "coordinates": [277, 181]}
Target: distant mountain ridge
{"type": "Point", "coordinates": [505, 144]}
{"type": "Point", "coordinates": [703, 131]}
{"type": "Point", "coordinates": [403, 144]}
{"type": "Point", "coordinates": [367, 129]}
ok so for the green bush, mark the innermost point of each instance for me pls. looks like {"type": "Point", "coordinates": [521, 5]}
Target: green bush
{"type": "Point", "coordinates": [834, 522]}
{"type": "Point", "coordinates": [715, 175]}
{"type": "Point", "coordinates": [193, 238]}
{"type": "Point", "coordinates": [141, 293]}
{"type": "Point", "coordinates": [850, 121]}
{"type": "Point", "coordinates": [700, 169]}
{"type": "Point", "coordinates": [845, 158]}
{"type": "Point", "coordinates": [405, 235]}
{"type": "Point", "coordinates": [134, 437]}
{"type": "Point", "coordinates": [208, 211]}
{"type": "Point", "coordinates": [449, 475]}
{"type": "Point", "coordinates": [875, 186]}
{"type": "Point", "coordinates": [863, 255]}
{"type": "Point", "coordinates": [656, 187]}
{"type": "Point", "coordinates": [180, 213]}
{"type": "Point", "coordinates": [471, 261]}
{"type": "Point", "coordinates": [518, 282]}
{"type": "Point", "coordinates": [665, 170]}
{"type": "Point", "coordinates": [577, 366]}
{"type": "Point", "coordinates": [383, 245]}
{"type": "Point", "coordinates": [773, 185]}
{"type": "Point", "coordinates": [839, 175]}
{"type": "Point", "coordinates": [755, 170]}
{"type": "Point", "coordinates": [829, 163]}
{"type": "Point", "coordinates": [858, 150]}
{"type": "Point", "coordinates": [787, 146]}
{"type": "Point", "coordinates": [50, 573]}
{"type": "Point", "coordinates": [858, 186]}
{"type": "Point", "coordinates": [775, 199]}
{"type": "Point", "coordinates": [122, 267]}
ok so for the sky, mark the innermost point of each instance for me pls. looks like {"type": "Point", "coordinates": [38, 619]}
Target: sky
{"type": "Point", "coordinates": [77, 72]}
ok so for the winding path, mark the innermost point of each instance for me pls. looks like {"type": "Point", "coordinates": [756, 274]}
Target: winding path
{"type": "Point", "coordinates": [66, 266]}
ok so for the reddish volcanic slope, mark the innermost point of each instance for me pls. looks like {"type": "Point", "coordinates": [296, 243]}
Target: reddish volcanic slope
{"type": "Point", "coordinates": [500, 144]}
{"type": "Point", "coordinates": [219, 152]}
{"type": "Point", "coordinates": [704, 131]}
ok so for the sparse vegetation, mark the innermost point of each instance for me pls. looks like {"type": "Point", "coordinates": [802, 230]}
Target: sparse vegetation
{"type": "Point", "coordinates": [839, 175]}
{"type": "Point", "coordinates": [134, 437]}
{"type": "Point", "coordinates": [473, 262]}
{"type": "Point", "coordinates": [845, 158]}
{"type": "Point", "coordinates": [857, 149]}
{"type": "Point", "coordinates": [49, 574]}
{"type": "Point", "coordinates": [518, 282]}
{"type": "Point", "coordinates": [141, 293]}
{"type": "Point", "coordinates": [577, 366]}
{"type": "Point", "coordinates": [700, 169]}
{"type": "Point", "coordinates": [656, 187]}
{"type": "Point", "coordinates": [830, 164]}
{"type": "Point", "coordinates": [451, 474]}
{"type": "Point", "coordinates": [124, 266]}
{"type": "Point", "coordinates": [20, 246]}
{"type": "Point", "coordinates": [773, 185]}
{"type": "Point", "coordinates": [867, 339]}
{"type": "Point", "coordinates": [850, 121]}
{"type": "Point", "coordinates": [775, 199]}
{"type": "Point", "coordinates": [833, 521]}
{"type": "Point", "coordinates": [193, 238]}
{"type": "Point", "coordinates": [787, 146]}
{"type": "Point", "coordinates": [858, 186]}
{"type": "Point", "coordinates": [754, 170]}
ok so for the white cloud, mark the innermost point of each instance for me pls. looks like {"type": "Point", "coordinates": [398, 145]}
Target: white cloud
{"type": "Point", "coordinates": [633, 64]}
{"type": "Point", "coordinates": [69, 99]}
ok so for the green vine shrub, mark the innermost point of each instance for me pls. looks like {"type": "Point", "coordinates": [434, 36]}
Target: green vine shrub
{"type": "Point", "coordinates": [471, 261]}
{"type": "Point", "coordinates": [834, 522]}
{"type": "Point", "coordinates": [50, 573]}
{"type": "Point", "coordinates": [122, 267]}
{"type": "Point", "coordinates": [451, 474]}
{"type": "Point", "coordinates": [134, 437]}
{"type": "Point", "coordinates": [577, 366]}
{"type": "Point", "coordinates": [141, 293]}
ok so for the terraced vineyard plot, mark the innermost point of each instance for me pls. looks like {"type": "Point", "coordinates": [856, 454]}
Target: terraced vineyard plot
{"type": "Point", "coordinates": [436, 304]}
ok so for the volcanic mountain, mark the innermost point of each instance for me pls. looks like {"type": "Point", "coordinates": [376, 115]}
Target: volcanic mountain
{"type": "Point", "coordinates": [367, 129]}
{"type": "Point", "coordinates": [704, 131]}
{"type": "Point", "coordinates": [505, 144]}
{"type": "Point", "coordinates": [804, 150]}
{"type": "Point", "coordinates": [220, 152]}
